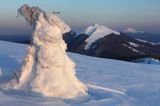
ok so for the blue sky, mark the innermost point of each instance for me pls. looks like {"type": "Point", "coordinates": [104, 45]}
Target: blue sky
{"type": "Point", "coordinates": [117, 14]}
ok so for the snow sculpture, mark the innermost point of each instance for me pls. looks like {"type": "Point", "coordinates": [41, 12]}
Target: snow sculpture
{"type": "Point", "coordinates": [47, 69]}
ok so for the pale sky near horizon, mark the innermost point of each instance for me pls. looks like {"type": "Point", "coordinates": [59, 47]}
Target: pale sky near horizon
{"type": "Point", "coordinates": [116, 14]}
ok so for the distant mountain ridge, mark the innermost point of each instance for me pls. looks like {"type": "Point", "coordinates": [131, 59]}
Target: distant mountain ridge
{"type": "Point", "coordinates": [25, 39]}
{"type": "Point", "coordinates": [100, 41]}
{"type": "Point", "coordinates": [143, 36]}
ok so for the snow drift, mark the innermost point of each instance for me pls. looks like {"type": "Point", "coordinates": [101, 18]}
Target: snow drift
{"type": "Point", "coordinates": [47, 69]}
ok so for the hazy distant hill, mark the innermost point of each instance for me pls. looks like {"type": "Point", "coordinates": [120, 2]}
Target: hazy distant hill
{"type": "Point", "coordinates": [143, 36]}
{"type": "Point", "coordinates": [25, 39]}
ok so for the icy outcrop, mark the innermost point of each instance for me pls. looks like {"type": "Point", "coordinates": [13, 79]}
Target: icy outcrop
{"type": "Point", "coordinates": [47, 69]}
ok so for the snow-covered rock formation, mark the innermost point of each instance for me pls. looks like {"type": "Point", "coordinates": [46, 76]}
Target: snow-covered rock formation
{"type": "Point", "coordinates": [47, 69]}
{"type": "Point", "coordinates": [96, 32]}
{"type": "Point", "coordinates": [147, 61]}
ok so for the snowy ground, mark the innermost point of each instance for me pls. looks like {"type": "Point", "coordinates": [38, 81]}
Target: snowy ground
{"type": "Point", "coordinates": [110, 82]}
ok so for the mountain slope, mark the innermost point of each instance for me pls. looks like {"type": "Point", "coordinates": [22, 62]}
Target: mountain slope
{"type": "Point", "coordinates": [123, 47]}
{"type": "Point", "coordinates": [96, 32]}
{"type": "Point", "coordinates": [143, 36]}
{"type": "Point", "coordinates": [116, 45]}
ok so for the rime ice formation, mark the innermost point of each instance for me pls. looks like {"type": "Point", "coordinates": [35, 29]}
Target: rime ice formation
{"type": "Point", "coordinates": [47, 69]}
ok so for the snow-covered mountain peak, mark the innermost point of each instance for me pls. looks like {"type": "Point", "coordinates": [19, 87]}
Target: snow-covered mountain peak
{"type": "Point", "coordinates": [96, 32]}
{"type": "Point", "coordinates": [99, 29]}
{"type": "Point", "coordinates": [132, 30]}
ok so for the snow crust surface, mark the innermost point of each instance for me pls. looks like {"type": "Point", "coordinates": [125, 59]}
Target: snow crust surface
{"type": "Point", "coordinates": [109, 82]}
